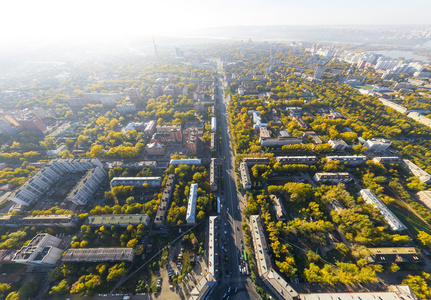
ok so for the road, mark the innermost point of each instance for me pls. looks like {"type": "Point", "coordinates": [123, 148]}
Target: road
{"type": "Point", "coordinates": [231, 215]}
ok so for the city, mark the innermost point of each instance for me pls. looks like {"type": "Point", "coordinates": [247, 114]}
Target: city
{"type": "Point", "coordinates": [233, 165]}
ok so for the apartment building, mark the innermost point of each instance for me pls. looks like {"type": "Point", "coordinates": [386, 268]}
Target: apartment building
{"type": "Point", "coordinates": [332, 177]}
{"type": "Point", "coordinates": [87, 186]}
{"type": "Point", "coordinates": [138, 182]}
{"type": "Point", "coordinates": [351, 160]}
{"type": "Point", "coordinates": [245, 176]}
{"type": "Point", "coordinates": [285, 160]}
{"type": "Point", "coordinates": [191, 206]}
{"type": "Point", "coordinates": [370, 198]}
{"type": "Point", "coordinates": [165, 201]}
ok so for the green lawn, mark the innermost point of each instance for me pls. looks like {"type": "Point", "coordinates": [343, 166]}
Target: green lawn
{"type": "Point", "coordinates": [408, 218]}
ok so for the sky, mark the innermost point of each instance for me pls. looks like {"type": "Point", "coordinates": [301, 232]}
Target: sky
{"type": "Point", "coordinates": [25, 20]}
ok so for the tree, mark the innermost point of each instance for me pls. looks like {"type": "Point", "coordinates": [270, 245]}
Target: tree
{"type": "Point", "coordinates": [425, 239]}
{"type": "Point", "coordinates": [62, 288]}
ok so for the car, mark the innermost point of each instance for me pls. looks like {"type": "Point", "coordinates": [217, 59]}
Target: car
{"type": "Point", "coordinates": [229, 289]}
{"type": "Point", "coordinates": [225, 232]}
{"type": "Point", "coordinates": [240, 241]}
{"type": "Point", "coordinates": [236, 289]}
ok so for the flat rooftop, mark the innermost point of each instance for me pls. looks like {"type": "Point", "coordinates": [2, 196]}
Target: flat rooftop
{"type": "Point", "coordinates": [99, 254]}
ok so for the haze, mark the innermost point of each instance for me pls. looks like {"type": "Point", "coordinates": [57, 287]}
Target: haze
{"type": "Point", "coordinates": [68, 20]}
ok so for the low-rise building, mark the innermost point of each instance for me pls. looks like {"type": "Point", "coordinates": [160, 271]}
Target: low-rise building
{"type": "Point", "coordinates": [264, 132]}
{"type": "Point", "coordinates": [377, 144]}
{"type": "Point", "coordinates": [279, 141]}
{"type": "Point", "coordinates": [370, 198]}
{"type": "Point", "coordinates": [87, 186]}
{"type": "Point", "coordinates": [251, 161]}
{"type": "Point", "coordinates": [417, 171]}
{"type": "Point", "coordinates": [420, 118]}
{"type": "Point", "coordinates": [184, 161]}
{"type": "Point", "coordinates": [99, 255]}
{"type": "Point", "coordinates": [121, 220]}
{"type": "Point", "coordinates": [338, 145]}
{"type": "Point", "coordinates": [162, 210]}
{"type": "Point", "coordinates": [127, 108]}
{"type": "Point", "coordinates": [279, 210]}
{"type": "Point", "coordinates": [387, 159]}
{"type": "Point", "coordinates": [191, 206]}
{"type": "Point", "coordinates": [213, 124]}
{"type": "Point", "coordinates": [332, 177]}
{"type": "Point", "coordinates": [245, 176]}
{"type": "Point", "coordinates": [389, 255]}
{"type": "Point", "coordinates": [155, 149]}
{"type": "Point", "coordinates": [393, 105]}
{"type": "Point", "coordinates": [138, 182]}
{"type": "Point", "coordinates": [352, 160]}
{"type": "Point", "coordinates": [213, 174]}
{"type": "Point", "coordinates": [43, 249]}
{"type": "Point", "coordinates": [213, 143]}
{"type": "Point", "coordinates": [273, 280]}
{"type": "Point", "coordinates": [399, 292]}
{"type": "Point", "coordinates": [39, 220]}
{"type": "Point", "coordinates": [285, 160]}
{"type": "Point", "coordinates": [425, 198]}
{"type": "Point", "coordinates": [213, 257]}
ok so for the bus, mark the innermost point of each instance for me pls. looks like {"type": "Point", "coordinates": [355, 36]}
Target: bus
{"type": "Point", "coordinates": [245, 255]}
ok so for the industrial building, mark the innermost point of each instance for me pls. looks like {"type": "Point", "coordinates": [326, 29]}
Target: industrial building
{"type": "Point", "coordinates": [191, 206]}
{"type": "Point", "coordinates": [370, 198]}
{"type": "Point", "coordinates": [43, 249]}
{"type": "Point", "coordinates": [138, 182]}
{"type": "Point", "coordinates": [162, 210]}
{"type": "Point", "coordinates": [121, 220]}
{"type": "Point", "coordinates": [99, 255]}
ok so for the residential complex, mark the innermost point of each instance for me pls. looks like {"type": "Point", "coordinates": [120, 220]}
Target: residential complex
{"type": "Point", "coordinates": [352, 160]}
{"type": "Point", "coordinates": [245, 176]}
{"type": "Point", "coordinates": [87, 186]}
{"type": "Point", "coordinates": [284, 160]}
{"type": "Point", "coordinates": [422, 175]}
{"type": "Point", "coordinates": [44, 179]}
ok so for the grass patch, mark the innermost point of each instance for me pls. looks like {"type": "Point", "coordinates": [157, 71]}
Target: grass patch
{"type": "Point", "coordinates": [408, 218]}
{"type": "Point", "coordinates": [11, 268]}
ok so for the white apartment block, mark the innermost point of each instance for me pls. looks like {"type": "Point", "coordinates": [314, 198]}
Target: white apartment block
{"type": "Point", "coordinates": [397, 107]}
{"type": "Point", "coordinates": [87, 186]}
{"type": "Point", "coordinates": [417, 171]}
{"type": "Point", "coordinates": [370, 198]}
{"type": "Point", "coordinates": [138, 182]}
{"type": "Point", "coordinates": [338, 145]}
{"type": "Point", "coordinates": [285, 160]}
{"type": "Point", "coordinates": [377, 144]}
{"type": "Point", "coordinates": [352, 160]}
{"type": "Point", "coordinates": [332, 177]}
{"type": "Point", "coordinates": [191, 206]}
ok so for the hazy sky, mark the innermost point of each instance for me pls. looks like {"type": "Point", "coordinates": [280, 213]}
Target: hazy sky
{"type": "Point", "coordinates": [59, 19]}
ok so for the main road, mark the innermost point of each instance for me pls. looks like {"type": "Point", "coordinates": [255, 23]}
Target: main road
{"type": "Point", "coordinates": [230, 217]}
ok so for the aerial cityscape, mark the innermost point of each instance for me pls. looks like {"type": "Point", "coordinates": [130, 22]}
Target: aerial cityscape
{"type": "Point", "coordinates": [237, 158]}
